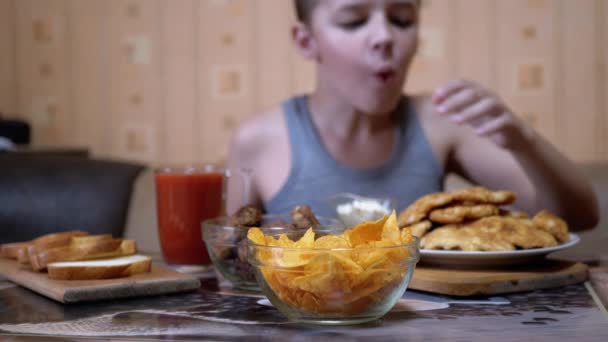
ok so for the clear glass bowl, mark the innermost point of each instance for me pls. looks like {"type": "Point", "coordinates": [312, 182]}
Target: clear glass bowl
{"type": "Point", "coordinates": [353, 209]}
{"type": "Point", "coordinates": [227, 245]}
{"type": "Point", "coordinates": [336, 286]}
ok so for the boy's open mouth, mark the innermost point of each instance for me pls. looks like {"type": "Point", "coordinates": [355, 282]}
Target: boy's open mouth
{"type": "Point", "coordinates": [385, 75]}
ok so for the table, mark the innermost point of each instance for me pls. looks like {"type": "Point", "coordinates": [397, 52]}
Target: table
{"type": "Point", "coordinates": [211, 313]}
{"type": "Point", "coordinates": [215, 313]}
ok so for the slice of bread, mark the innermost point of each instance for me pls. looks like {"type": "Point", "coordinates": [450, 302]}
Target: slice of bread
{"type": "Point", "coordinates": [19, 250]}
{"type": "Point", "coordinates": [11, 250]}
{"type": "Point", "coordinates": [67, 242]}
{"type": "Point", "coordinates": [96, 250]}
{"type": "Point", "coordinates": [100, 269]}
{"type": "Point", "coordinates": [57, 239]}
{"type": "Point", "coordinates": [87, 239]}
{"type": "Point", "coordinates": [23, 256]}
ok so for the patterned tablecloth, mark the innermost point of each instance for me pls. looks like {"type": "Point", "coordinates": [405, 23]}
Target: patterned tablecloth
{"type": "Point", "coordinates": [217, 314]}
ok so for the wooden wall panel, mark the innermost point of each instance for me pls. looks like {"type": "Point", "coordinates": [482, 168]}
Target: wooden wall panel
{"type": "Point", "coordinates": [114, 68]}
{"type": "Point", "coordinates": [526, 63]}
{"type": "Point", "coordinates": [178, 81]}
{"type": "Point", "coordinates": [436, 62]}
{"type": "Point", "coordinates": [42, 74]}
{"type": "Point", "coordinates": [273, 48]}
{"type": "Point", "coordinates": [579, 77]}
{"type": "Point", "coordinates": [168, 80]}
{"type": "Point", "coordinates": [304, 72]}
{"type": "Point", "coordinates": [226, 73]}
{"type": "Point", "coordinates": [88, 84]}
{"type": "Point", "coordinates": [8, 84]}
{"type": "Point", "coordinates": [476, 48]}
{"type": "Point", "coordinates": [135, 98]}
{"type": "Point", "coordinates": [602, 137]}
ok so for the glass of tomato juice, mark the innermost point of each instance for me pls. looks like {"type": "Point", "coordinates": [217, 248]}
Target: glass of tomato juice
{"type": "Point", "coordinates": [186, 196]}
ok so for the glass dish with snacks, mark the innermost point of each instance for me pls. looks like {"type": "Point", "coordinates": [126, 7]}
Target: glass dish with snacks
{"type": "Point", "coordinates": [322, 277]}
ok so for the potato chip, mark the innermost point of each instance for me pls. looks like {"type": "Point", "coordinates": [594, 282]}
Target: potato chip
{"type": "Point", "coordinates": [365, 257]}
{"type": "Point", "coordinates": [390, 229]}
{"type": "Point", "coordinates": [346, 262]}
{"type": "Point", "coordinates": [257, 236]}
{"type": "Point", "coordinates": [331, 241]}
{"type": "Point", "coordinates": [374, 280]}
{"type": "Point", "coordinates": [328, 284]}
{"type": "Point", "coordinates": [406, 235]}
{"type": "Point", "coordinates": [308, 301]}
{"type": "Point", "coordinates": [272, 241]}
{"type": "Point", "coordinates": [366, 231]}
{"type": "Point", "coordinates": [306, 241]}
{"type": "Point", "coordinates": [293, 257]}
{"type": "Point", "coordinates": [285, 241]}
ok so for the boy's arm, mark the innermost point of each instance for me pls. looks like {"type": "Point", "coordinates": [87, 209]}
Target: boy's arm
{"type": "Point", "coordinates": [242, 189]}
{"type": "Point", "coordinates": [541, 176]}
{"type": "Point", "coordinates": [500, 151]}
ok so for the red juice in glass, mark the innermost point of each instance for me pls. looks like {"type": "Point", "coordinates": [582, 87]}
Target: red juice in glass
{"type": "Point", "coordinates": [185, 197]}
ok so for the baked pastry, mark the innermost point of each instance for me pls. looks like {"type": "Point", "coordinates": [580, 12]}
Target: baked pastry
{"type": "Point", "coordinates": [421, 208]}
{"type": "Point", "coordinates": [460, 213]}
{"type": "Point", "coordinates": [493, 233]}
{"type": "Point", "coordinates": [472, 220]}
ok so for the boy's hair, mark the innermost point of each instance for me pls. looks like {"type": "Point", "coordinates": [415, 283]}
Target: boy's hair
{"type": "Point", "coordinates": [304, 9]}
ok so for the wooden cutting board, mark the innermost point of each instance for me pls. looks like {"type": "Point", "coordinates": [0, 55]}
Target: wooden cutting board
{"type": "Point", "coordinates": [160, 280]}
{"type": "Point", "coordinates": [482, 282]}
{"type": "Point", "coordinates": [599, 280]}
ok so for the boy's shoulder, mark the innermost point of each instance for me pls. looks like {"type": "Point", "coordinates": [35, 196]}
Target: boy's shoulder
{"type": "Point", "coordinates": [258, 130]}
{"type": "Point", "coordinates": [260, 125]}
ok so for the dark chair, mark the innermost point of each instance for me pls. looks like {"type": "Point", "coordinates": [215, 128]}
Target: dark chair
{"type": "Point", "coordinates": [41, 194]}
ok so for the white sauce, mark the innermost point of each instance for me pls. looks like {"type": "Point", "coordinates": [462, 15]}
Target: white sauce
{"type": "Point", "coordinates": [358, 211]}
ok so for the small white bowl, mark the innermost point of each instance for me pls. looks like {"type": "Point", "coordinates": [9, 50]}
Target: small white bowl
{"type": "Point", "coordinates": [353, 209]}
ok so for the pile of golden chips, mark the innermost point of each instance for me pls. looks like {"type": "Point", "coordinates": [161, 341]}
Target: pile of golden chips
{"type": "Point", "coordinates": [336, 274]}
{"type": "Point", "coordinates": [471, 220]}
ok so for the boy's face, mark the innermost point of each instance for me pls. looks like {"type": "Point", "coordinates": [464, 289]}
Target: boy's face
{"type": "Point", "coordinates": [364, 48]}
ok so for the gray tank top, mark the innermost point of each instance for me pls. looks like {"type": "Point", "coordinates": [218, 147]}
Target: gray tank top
{"type": "Point", "coordinates": [411, 171]}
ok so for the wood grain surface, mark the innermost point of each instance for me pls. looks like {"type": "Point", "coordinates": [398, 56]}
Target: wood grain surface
{"type": "Point", "coordinates": [160, 280]}
{"type": "Point", "coordinates": [480, 282]}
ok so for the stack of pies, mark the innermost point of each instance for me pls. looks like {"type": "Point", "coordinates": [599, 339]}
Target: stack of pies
{"type": "Point", "coordinates": [472, 220]}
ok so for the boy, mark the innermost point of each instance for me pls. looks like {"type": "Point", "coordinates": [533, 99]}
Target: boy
{"type": "Point", "coordinates": [357, 133]}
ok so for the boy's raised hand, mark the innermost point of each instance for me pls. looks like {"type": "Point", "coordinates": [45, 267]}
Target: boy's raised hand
{"type": "Point", "coordinates": [467, 102]}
